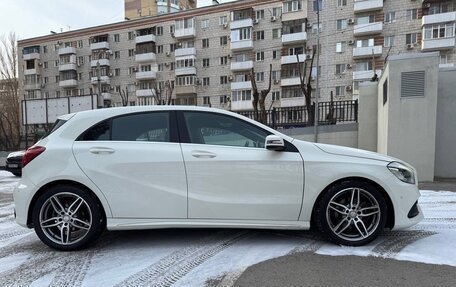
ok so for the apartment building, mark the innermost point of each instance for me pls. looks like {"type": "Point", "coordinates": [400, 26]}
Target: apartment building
{"type": "Point", "coordinates": [208, 53]}
{"type": "Point", "coordinates": [135, 9]}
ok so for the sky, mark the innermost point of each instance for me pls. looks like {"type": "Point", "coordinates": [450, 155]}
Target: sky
{"type": "Point", "coordinates": [33, 18]}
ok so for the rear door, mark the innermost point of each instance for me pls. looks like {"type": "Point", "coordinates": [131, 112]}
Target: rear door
{"type": "Point", "coordinates": [136, 161]}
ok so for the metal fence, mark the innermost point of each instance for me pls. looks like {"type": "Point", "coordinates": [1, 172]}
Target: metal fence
{"type": "Point", "coordinates": [329, 113]}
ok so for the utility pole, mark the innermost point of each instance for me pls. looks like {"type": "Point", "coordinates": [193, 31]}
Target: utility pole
{"type": "Point", "coordinates": [317, 92]}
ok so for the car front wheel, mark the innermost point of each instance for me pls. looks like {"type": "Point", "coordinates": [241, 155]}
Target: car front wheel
{"type": "Point", "coordinates": [351, 213]}
{"type": "Point", "coordinates": [67, 218]}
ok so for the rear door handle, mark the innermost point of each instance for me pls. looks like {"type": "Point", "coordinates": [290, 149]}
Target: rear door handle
{"type": "Point", "coordinates": [101, 150]}
{"type": "Point", "coordinates": [203, 154]}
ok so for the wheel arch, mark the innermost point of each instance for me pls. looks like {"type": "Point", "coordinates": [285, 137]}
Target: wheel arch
{"type": "Point", "coordinates": [390, 208]}
{"type": "Point", "coordinates": [52, 184]}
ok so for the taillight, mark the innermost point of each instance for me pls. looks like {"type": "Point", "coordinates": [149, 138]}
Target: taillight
{"type": "Point", "coordinates": [31, 153]}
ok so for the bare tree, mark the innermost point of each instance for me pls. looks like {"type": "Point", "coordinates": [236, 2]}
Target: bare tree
{"type": "Point", "coordinates": [163, 96]}
{"type": "Point", "coordinates": [259, 98]}
{"type": "Point", "coordinates": [306, 87]}
{"type": "Point", "coordinates": [124, 95]}
{"type": "Point", "coordinates": [10, 129]}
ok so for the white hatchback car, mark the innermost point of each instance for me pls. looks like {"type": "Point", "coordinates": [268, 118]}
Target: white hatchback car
{"type": "Point", "coordinates": [171, 166]}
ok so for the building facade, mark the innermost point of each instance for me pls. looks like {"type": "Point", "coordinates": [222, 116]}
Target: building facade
{"type": "Point", "coordinates": [208, 53]}
{"type": "Point", "coordinates": [135, 9]}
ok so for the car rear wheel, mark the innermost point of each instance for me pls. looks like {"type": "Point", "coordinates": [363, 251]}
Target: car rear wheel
{"type": "Point", "coordinates": [351, 213]}
{"type": "Point", "coordinates": [67, 218]}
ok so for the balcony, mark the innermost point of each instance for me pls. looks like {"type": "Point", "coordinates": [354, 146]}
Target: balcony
{"type": "Point", "coordinates": [144, 93]}
{"type": "Point", "coordinates": [106, 96]}
{"type": "Point", "coordinates": [292, 59]}
{"type": "Point", "coordinates": [32, 86]}
{"type": "Point", "coordinates": [241, 66]}
{"type": "Point", "coordinates": [292, 102]}
{"type": "Point", "coordinates": [242, 45]}
{"type": "Point", "coordinates": [146, 57]}
{"type": "Point", "coordinates": [185, 52]}
{"type": "Point", "coordinates": [241, 106]}
{"type": "Point", "coordinates": [241, 85]}
{"type": "Point", "coordinates": [99, 46]}
{"type": "Point", "coordinates": [365, 75]}
{"type": "Point", "coordinates": [30, 71]}
{"type": "Point", "coordinates": [294, 15]}
{"type": "Point", "coordinates": [438, 44]}
{"type": "Point", "coordinates": [67, 50]}
{"type": "Point", "coordinates": [290, 82]}
{"type": "Point", "coordinates": [149, 75]}
{"type": "Point", "coordinates": [103, 62]}
{"type": "Point", "coordinates": [31, 56]}
{"type": "Point", "coordinates": [244, 23]}
{"type": "Point", "coordinates": [294, 38]}
{"type": "Point", "coordinates": [67, 67]}
{"type": "Point", "coordinates": [185, 90]}
{"type": "Point", "coordinates": [368, 29]}
{"type": "Point", "coordinates": [68, 83]}
{"type": "Point", "coordinates": [367, 52]}
{"type": "Point", "coordinates": [103, 79]}
{"type": "Point", "coordinates": [185, 33]}
{"type": "Point", "coordinates": [368, 5]}
{"type": "Point", "coordinates": [439, 18]}
{"type": "Point", "coordinates": [145, 39]}
{"type": "Point", "coordinates": [448, 65]}
{"type": "Point", "coordinates": [185, 71]}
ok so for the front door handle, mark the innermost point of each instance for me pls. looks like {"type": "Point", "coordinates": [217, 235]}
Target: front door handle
{"type": "Point", "coordinates": [203, 154]}
{"type": "Point", "coordinates": [101, 150]}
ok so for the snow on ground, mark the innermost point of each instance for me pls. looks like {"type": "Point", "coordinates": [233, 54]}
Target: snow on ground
{"type": "Point", "coordinates": [201, 257]}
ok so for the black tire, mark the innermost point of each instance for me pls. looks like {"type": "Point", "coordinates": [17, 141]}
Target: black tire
{"type": "Point", "coordinates": [17, 174]}
{"type": "Point", "coordinates": [343, 222]}
{"type": "Point", "coordinates": [85, 225]}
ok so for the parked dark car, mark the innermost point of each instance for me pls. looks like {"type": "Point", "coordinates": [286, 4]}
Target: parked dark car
{"type": "Point", "coordinates": [14, 162]}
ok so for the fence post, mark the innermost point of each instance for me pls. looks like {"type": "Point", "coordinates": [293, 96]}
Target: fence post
{"type": "Point", "coordinates": [273, 116]}
{"type": "Point", "coordinates": [356, 111]}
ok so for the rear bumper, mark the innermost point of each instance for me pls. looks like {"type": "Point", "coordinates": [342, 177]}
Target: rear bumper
{"type": "Point", "coordinates": [23, 194]}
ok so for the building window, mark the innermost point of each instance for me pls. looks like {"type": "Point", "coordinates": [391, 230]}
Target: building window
{"type": "Point", "coordinates": [439, 31]}
{"type": "Point", "coordinates": [341, 3]}
{"type": "Point", "coordinates": [245, 95]}
{"type": "Point", "coordinates": [56, 63]}
{"type": "Point", "coordinates": [223, 60]}
{"type": "Point", "coordinates": [390, 17]}
{"type": "Point", "coordinates": [259, 14]}
{"type": "Point", "coordinates": [260, 56]}
{"type": "Point", "coordinates": [342, 24]}
{"type": "Point", "coordinates": [57, 79]}
{"type": "Point", "coordinates": [223, 99]}
{"type": "Point", "coordinates": [131, 52]}
{"type": "Point", "coordinates": [443, 59]}
{"type": "Point", "coordinates": [276, 54]}
{"type": "Point", "coordinates": [259, 35]}
{"type": "Point", "coordinates": [159, 49]}
{"type": "Point", "coordinates": [389, 41]}
{"type": "Point", "coordinates": [80, 44]}
{"type": "Point", "coordinates": [241, 34]}
{"type": "Point", "coordinates": [131, 35]}
{"type": "Point", "coordinates": [314, 28]}
{"type": "Point", "coordinates": [205, 43]}
{"type": "Point", "coordinates": [159, 30]}
{"type": "Point", "coordinates": [341, 46]}
{"type": "Point", "coordinates": [116, 38]}
{"type": "Point", "coordinates": [205, 23]}
{"type": "Point", "coordinates": [172, 47]}
{"type": "Point", "coordinates": [275, 75]}
{"type": "Point", "coordinates": [206, 63]}
{"type": "Point", "coordinates": [260, 77]}
{"type": "Point", "coordinates": [117, 72]}
{"type": "Point", "coordinates": [57, 94]}
{"type": "Point", "coordinates": [412, 14]}
{"type": "Point", "coordinates": [46, 79]}
{"type": "Point", "coordinates": [223, 80]}
{"type": "Point", "coordinates": [411, 38]}
{"type": "Point", "coordinates": [292, 6]}
{"type": "Point", "coordinates": [206, 81]}
{"type": "Point", "coordinates": [45, 65]}
{"type": "Point", "coordinates": [223, 20]}
{"type": "Point", "coordinates": [317, 5]}
{"type": "Point", "coordinates": [45, 49]}
{"type": "Point", "coordinates": [340, 68]}
{"type": "Point", "coordinates": [277, 12]}
{"type": "Point", "coordinates": [365, 20]}
{"type": "Point", "coordinates": [276, 96]}
{"type": "Point", "coordinates": [172, 29]}
{"type": "Point", "coordinates": [276, 33]}
{"type": "Point", "coordinates": [340, 91]}
{"type": "Point", "coordinates": [117, 55]}
{"type": "Point", "coordinates": [364, 66]}
{"type": "Point", "coordinates": [206, 101]}
{"type": "Point", "coordinates": [365, 43]}
{"type": "Point", "coordinates": [223, 40]}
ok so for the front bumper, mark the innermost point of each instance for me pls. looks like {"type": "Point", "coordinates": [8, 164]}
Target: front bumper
{"type": "Point", "coordinates": [407, 211]}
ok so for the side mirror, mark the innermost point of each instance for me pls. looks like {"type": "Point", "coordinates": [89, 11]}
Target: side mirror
{"type": "Point", "coordinates": [275, 143]}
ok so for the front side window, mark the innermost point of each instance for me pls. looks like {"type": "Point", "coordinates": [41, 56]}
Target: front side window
{"type": "Point", "coordinates": [215, 129]}
{"type": "Point", "coordinates": [151, 127]}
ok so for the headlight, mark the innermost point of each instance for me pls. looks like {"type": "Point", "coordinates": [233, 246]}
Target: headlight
{"type": "Point", "coordinates": [403, 172]}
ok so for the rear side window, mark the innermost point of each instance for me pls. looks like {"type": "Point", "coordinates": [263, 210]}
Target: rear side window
{"type": "Point", "coordinates": [56, 125]}
{"type": "Point", "coordinates": [150, 127]}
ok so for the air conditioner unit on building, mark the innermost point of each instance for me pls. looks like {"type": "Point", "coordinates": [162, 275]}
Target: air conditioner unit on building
{"type": "Point", "coordinates": [40, 64]}
{"type": "Point", "coordinates": [351, 42]}
{"type": "Point", "coordinates": [43, 85]}
{"type": "Point", "coordinates": [173, 35]}
{"type": "Point", "coordinates": [256, 21]}
{"type": "Point", "coordinates": [230, 56]}
{"type": "Point", "coordinates": [410, 46]}
{"type": "Point", "coordinates": [110, 75]}
{"type": "Point", "coordinates": [111, 88]}
{"type": "Point", "coordinates": [136, 83]}
{"type": "Point", "coordinates": [230, 78]}
{"type": "Point", "coordinates": [309, 48]}
{"type": "Point", "coordinates": [308, 57]}
{"type": "Point", "coordinates": [179, 45]}
{"type": "Point", "coordinates": [276, 82]}
{"type": "Point", "coordinates": [349, 66]}
{"type": "Point", "coordinates": [166, 64]}
{"type": "Point", "coordinates": [348, 88]}
{"type": "Point", "coordinates": [168, 53]}
{"type": "Point", "coordinates": [225, 26]}
{"type": "Point", "coordinates": [273, 18]}
{"type": "Point", "coordinates": [109, 52]}
{"type": "Point", "coordinates": [351, 21]}
{"type": "Point", "coordinates": [198, 82]}
{"type": "Point", "coordinates": [427, 5]}
{"type": "Point", "coordinates": [309, 25]}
